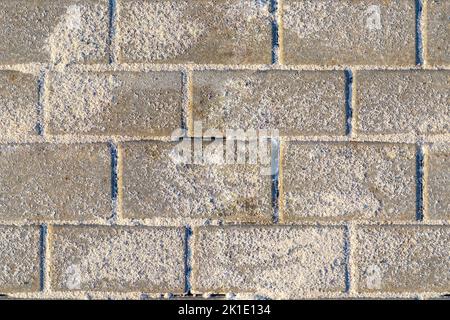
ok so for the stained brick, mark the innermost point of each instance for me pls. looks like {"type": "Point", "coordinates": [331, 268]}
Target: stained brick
{"type": "Point", "coordinates": [104, 258]}
{"type": "Point", "coordinates": [56, 31]}
{"type": "Point", "coordinates": [349, 32]}
{"type": "Point", "coordinates": [55, 182]}
{"type": "Point", "coordinates": [294, 102]}
{"type": "Point", "coordinates": [403, 259]}
{"type": "Point", "coordinates": [19, 259]}
{"type": "Point", "coordinates": [438, 185]}
{"type": "Point", "coordinates": [156, 184]}
{"type": "Point", "coordinates": [372, 181]}
{"type": "Point", "coordinates": [208, 31]}
{"type": "Point", "coordinates": [280, 261]}
{"type": "Point", "coordinates": [115, 103]}
{"type": "Point", "coordinates": [18, 105]}
{"type": "Point", "coordinates": [390, 102]}
{"type": "Point", "coordinates": [437, 49]}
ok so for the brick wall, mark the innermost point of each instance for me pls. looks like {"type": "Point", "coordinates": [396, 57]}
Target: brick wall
{"type": "Point", "coordinates": [93, 205]}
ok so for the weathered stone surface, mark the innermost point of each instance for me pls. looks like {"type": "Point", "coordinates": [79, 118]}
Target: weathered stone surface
{"type": "Point", "coordinates": [157, 184]}
{"type": "Point", "coordinates": [362, 32]}
{"type": "Point", "coordinates": [278, 261]}
{"type": "Point", "coordinates": [60, 31]}
{"type": "Point", "coordinates": [437, 49]}
{"type": "Point", "coordinates": [390, 102]}
{"type": "Point", "coordinates": [208, 31]}
{"type": "Point", "coordinates": [100, 258]}
{"type": "Point", "coordinates": [19, 259]}
{"type": "Point", "coordinates": [438, 185]}
{"type": "Point", "coordinates": [372, 181]}
{"type": "Point", "coordinates": [403, 259]}
{"type": "Point", "coordinates": [55, 182]}
{"type": "Point", "coordinates": [305, 102]}
{"type": "Point", "coordinates": [18, 105]}
{"type": "Point", "coordinates": [115, 103]}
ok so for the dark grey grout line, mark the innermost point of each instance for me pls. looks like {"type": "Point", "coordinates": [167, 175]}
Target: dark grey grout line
{"type": "Point", "coordinates": [42, 256]}
{"type": "Point", "coordinates": [114, 179]}
{"type": "Point", "coordinates": [419, 34]}
{"type": "Point", "coordinates": [112, 29]}
{"type": "Point", "coordinates": [185, 83]}
{"type": "Point", "coordinates": [187, 260]}
{"type": "Point", "coordinates": [274, 7]}
{"type": "Point", "coordinates": [275, 163]}
{"type": "Point", "coordinates": [348, 102]}
{"type": "Point", "coordinates": [419, 182]}
{"type": "Point", "coordinates": [347, 251]}
{"type": "Point", "coordinates": [40, 104]}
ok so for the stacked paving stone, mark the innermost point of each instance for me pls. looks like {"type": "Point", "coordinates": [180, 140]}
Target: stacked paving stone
{"type": "Point", "coordinates": [93, 205]}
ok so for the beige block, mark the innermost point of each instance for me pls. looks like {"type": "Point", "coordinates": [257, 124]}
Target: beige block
{"type": "Point", "coordinates": [403, 259]}
{"type": "Point", "coordinates": [343, 181]}
{"type": "Point", "coordinates": [392, 102]}
{"type": "Point", "coordinates": [277, 261]}
{"type": "Point", "coordinates": [205, 31]}
{"type": "Point", "coordinates": [18, 105]}
{"type": "Point", "coordinates": [157, 184]}
{"type": "Point", "coordinates": [102, 258]}
{"type": "Point", "coordinates": [438, 185]}
{"type": "Point", "coordinates": [19, 259]}
{"type": "Point", "coordinates": [60, 31]}
{"type": "Point", "coordinates": [294, 102]}
{"type": "Point", "coordinates": [115, 103]}
{"type": "Point", "coordinates": [437, 49]}
{"type": "Point", "coordinates": [55, 182]}
{"type": "Point", "coordinates": [361, 32]}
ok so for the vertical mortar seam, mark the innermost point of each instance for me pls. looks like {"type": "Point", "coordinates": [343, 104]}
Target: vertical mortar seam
{"type": "Point", "coordinates": [186, 112]}
{"type": "Point", "coordinates": [115, 182]}
{"type": "Point", "coordinates": [275, 9]}
{"type": "Point", "coordinates": [419, 33]}
{"type": "Point", "coordinates": [187, 260]}
{"type": "Point", "coordinates": [275, 164]}
{"type": "Point", "coordinates": [40, 105]}
{"type": "Point", "coordinates": [349, 80]}
{"type": "Point", "coordinates": [43, 261]}
{"type": "Point", "coordinates": [419, 182]}
{"type": "Point", "coordinates": [42, 101]}
{"type": "Point", "coordinates": [112, 41]}
{"type": "Point", "coordinates": [351, 243]}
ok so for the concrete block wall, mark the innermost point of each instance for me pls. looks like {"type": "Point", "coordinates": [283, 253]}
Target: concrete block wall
{"type": "Point", "coordinates": [92, 204]}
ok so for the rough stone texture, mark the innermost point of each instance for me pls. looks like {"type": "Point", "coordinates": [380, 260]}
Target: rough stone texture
{"type": "Point", "coordinates": [19, 259]}
{"type": "Point", "coordinates": [122, 103]}
{"type": "Point", "coordinates": [92, 93]}
{"type": "Point", "coordinates": [157, 184]}
{"type": "Point", "coordinates": [305, 102]}
{"type": "Point", "coordinates": [437, 50]}
{"type": "Point", "coordinates": [206, 31]}
{"type": "Point", "coordinates": [55, 182]}
{"type": "Point", "coordinates": [348, 32]}
{"type": "Point", "coordinates": [60, 31]}
{"type": "Point", "coordinates": [371, 181]}
{"type": "Point", "coordinates": [18, 105]}
{"type": "Point", "coordinates": [117, 259]}
{"type": "Point", "coordinates": [276, 261]}
{"type": "Point", "coordinates": [403, 259]}
{"type": "Point", "coordinates": [390, 102]}
{"type": "Point", "coordinates": [438, 185]}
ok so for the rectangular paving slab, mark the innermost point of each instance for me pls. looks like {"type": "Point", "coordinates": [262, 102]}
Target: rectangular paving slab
{"type": "Point", "coordinates": [55, 182]}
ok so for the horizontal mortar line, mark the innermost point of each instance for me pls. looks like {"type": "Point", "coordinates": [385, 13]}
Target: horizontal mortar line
{"type": "Point", "coordinates": [220, 223]}
{"type": "Point", "coordinates": [94, 294]}
{"type": "Point", "coordinates": [92, 139]}
{"type": "Point", "coordinates": [142, 67]}
{"type": "Point", "coordinates": [262, 67]}
{"type": "Point", "coordinates": [168, 296]}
